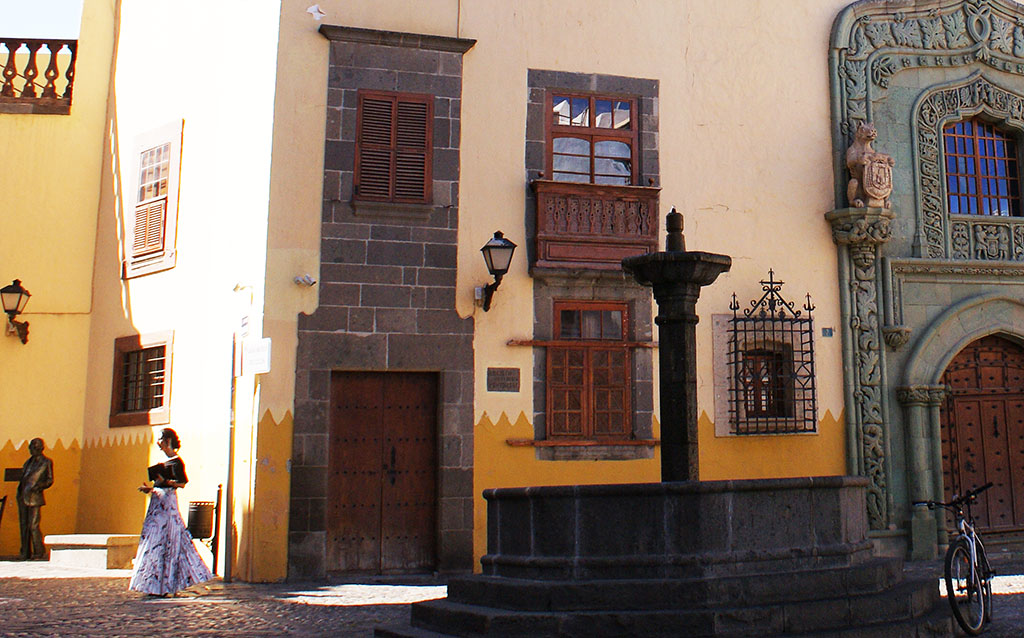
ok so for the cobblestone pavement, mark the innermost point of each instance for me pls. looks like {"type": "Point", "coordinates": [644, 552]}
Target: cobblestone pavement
{"type": "Point", "coordinates": [39, 599]}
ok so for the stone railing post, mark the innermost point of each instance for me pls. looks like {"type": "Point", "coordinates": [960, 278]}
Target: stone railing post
{"type": "Point", "coordinates": [859, 233]}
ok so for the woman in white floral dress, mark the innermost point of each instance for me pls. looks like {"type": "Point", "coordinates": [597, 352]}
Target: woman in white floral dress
{"type": "Point", "coordinates": [167, 561]}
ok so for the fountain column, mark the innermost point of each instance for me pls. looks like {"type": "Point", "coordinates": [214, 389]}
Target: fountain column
{"type": "Point", "coordinates": [676, 277]}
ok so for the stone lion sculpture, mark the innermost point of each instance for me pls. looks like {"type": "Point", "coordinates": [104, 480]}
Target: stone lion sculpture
{"type": "Point", "coordinates": [870, 172]}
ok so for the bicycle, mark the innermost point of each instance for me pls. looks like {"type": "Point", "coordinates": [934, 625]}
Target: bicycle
{"type": "Point", "coordinates": [968, 574]}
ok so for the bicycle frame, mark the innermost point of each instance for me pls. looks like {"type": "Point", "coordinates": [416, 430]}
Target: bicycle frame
{"type": "Point", "coordinates": [979, 573]}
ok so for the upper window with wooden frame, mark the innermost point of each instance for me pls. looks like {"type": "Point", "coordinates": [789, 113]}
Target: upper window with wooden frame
{"type": "Point", "coordinates": [140, 392]}
{"type": "Point", "coordinates": [982, 169]}
{"type": "Point", "coordinates": [588, 372]}
{"type": "Point", "coordinates": [592, 138]}
{"type": "Point", "coordinates": [394, 147]}
{"type": "Point", "coordinates": [151, 228]}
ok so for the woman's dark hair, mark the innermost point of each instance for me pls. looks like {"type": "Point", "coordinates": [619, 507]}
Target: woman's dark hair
{"type": "Point", "coordinates": [171, 436]}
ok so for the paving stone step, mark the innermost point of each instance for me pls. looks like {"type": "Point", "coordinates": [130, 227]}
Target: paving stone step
{"type": "Point", "coordinates": [905, 602]}
{"type": "Point", "coordinates": [542, 595]}
{"type": "Point", "coordinates": [937, 624]}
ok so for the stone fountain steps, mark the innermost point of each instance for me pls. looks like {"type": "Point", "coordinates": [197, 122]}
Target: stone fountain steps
{"type": "Point", "coordinates": [902, 610]}
{"type": "Point", "coordinates": [538, 595]}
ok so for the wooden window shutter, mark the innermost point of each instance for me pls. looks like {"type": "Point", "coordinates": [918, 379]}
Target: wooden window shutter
{"type": "Point", "coordinates": [149, 227]}
{"type": "Point", "coordinates": [393, 147]}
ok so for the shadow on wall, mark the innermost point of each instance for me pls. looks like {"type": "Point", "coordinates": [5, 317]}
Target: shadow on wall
{"type": "Point", "coordinates": [111, 470]}
{"type": "Point", "coordinates": [59, 514]}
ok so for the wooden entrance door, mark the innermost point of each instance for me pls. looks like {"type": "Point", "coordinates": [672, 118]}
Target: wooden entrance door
{"type": "Point", "coordinates": [983, 430]}
{"type": "Point", "coordinates": [382, 468]}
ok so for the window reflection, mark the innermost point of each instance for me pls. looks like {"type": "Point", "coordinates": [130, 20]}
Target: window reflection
{"type": "Point", "coordinates": [982, 172]}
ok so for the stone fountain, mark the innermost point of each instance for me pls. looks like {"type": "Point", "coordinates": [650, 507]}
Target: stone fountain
{"type": "Point", "coordinates": [683, 557]}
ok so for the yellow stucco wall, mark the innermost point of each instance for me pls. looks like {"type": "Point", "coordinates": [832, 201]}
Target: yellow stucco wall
{"type": "Point", "coordinates": [161, 76]}
{"type": "Point", "coordinates": [49, 189]}
{"type": "Point", "coordinates": [744, 144]}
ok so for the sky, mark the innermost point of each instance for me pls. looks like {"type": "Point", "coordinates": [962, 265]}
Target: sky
{"type": "Point", "coordinates": [58, 19]}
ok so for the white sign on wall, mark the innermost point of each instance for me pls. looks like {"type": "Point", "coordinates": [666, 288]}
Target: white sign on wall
{"type": "Point", "coordinates": [256, 356]}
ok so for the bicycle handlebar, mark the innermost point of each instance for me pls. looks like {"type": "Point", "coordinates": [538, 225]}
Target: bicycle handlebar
{"type": "Point", "coordinates": [970, 495]}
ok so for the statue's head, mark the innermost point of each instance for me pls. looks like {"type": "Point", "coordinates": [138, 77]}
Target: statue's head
{"type": "Point", "coordinates": [867, 132]}
{"type": "Point", "coordinates": [36, 446]}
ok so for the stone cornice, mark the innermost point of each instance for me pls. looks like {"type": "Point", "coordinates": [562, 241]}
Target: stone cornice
{"type": "Point", "coordinates": [336, 33]}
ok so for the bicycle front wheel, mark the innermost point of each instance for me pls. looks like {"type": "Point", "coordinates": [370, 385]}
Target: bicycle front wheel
{"type": "Point", "coordinates": [964, 588]}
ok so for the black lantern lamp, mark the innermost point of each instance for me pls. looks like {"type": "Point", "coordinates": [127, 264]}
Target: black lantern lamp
{"type": "Point", "coordinates": [14, 297]}
{"type": "Point", "coordinates": [498, 255]}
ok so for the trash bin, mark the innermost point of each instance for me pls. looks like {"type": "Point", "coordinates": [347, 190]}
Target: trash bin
{"type": "Point", "coordinates": [200, 519]}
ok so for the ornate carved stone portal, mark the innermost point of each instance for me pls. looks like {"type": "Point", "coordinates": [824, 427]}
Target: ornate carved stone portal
{"type": "Point", "coordinates": [860, 232]}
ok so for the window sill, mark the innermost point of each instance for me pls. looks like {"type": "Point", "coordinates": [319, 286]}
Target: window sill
{"type": "Point", "coordinates": [391, 210]}
{"type": "Point", "coordinates": [582, 443]}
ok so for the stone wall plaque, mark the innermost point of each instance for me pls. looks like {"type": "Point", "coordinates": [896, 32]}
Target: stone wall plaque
{"type": "Point", "coordinates": [503, 379]}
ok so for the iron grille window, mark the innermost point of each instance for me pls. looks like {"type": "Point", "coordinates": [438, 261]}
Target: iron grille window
{"type": "Point", "coordinates": [140, 393]}
{"type": "Point", "coordinates": [982, 172]}
{"type": "Point", "coordinates": [588, 372]}
{"type": "Point", "coordinates": [143, 380]}
{"type": "Point", "coordinates": [771, 365]}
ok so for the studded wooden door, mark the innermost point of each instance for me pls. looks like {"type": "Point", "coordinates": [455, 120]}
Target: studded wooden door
{"type": "Point", "coordinates": [983, 430]}
{"type": "Point", "coordinates": [382, 471]}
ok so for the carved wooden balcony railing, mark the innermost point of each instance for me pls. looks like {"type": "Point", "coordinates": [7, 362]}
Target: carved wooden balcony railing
{"type": "Point", "coordinates": [593, 226]}
{"type": "Point", "coordinates": [23, 90]}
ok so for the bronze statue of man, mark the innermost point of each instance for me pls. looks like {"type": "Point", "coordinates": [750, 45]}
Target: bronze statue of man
{"type": "Point", "coordinates": [36, 476]}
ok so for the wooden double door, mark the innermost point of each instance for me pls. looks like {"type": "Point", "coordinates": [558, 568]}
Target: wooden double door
{"type": "Point", "coordinates": [382, 472]}
{"type": "Point", "coordinates": [982, 423]}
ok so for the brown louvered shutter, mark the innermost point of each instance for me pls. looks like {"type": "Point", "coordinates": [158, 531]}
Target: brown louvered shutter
{"type": "Point", "coordinates": [393, 147]}
{"type": "Point", "coordinates": [149, 227]}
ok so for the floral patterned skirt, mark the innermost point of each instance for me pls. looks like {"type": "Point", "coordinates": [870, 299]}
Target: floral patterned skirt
{"type": "Point", "coordinates": [167, 561]}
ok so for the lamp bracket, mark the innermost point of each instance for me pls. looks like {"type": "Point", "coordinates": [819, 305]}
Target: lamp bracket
{"type": "Point", "coordinates": [19, 328]}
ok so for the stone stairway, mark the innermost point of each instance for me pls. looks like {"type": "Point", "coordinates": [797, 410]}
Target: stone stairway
{"type": "Point", "coordinates": [868, 600]}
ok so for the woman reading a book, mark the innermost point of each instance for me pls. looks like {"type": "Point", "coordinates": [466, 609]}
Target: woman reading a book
{"type": "Point", "coordinates": [167, 561]}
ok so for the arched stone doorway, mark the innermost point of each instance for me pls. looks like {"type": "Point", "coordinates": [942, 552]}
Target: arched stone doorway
{"type": "Point", "coordinates": [982, 430]}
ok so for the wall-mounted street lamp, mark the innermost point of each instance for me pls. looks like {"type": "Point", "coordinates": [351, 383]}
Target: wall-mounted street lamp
{"type": "Point", "coordinates": [14, 297]}
{"type": "Point", "coordinates": [498, 255]}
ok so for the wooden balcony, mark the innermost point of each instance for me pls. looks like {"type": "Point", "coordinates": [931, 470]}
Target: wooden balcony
{"type": "Point", "coordinates": [593, 226]}
{"type": "Point", "coordinates": [23, 90]}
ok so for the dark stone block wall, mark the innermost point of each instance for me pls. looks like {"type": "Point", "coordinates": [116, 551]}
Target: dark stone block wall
{"type": "Point", "coordinates": [387, 289]}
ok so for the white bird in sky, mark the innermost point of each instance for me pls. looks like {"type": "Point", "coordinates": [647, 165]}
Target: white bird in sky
{"type": "Point", "coordinates": [316, 12]}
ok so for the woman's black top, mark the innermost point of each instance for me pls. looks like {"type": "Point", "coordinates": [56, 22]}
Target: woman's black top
{"type": "Point", "coordinates": [175, 470]}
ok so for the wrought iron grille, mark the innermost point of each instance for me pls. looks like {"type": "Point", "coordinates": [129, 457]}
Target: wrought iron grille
{"type": "Point", "coordinates": [771, 365]}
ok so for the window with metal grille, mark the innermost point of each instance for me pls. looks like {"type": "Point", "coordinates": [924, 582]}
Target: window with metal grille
{"type": "Point", "coordinates": [592, 138]}
{"type": "Point", "coordinates": [588, 372]}
{"type": "Point", "coordinates": [140, 394]}
{"type": "Point", "coordinates": [143, 381]}
{"type": "Point", "coordinates": [982, 172]}
{"type": "Point", "coordinates": [394, 140]}
{"type": "Point", "coordinates": [770, 359]}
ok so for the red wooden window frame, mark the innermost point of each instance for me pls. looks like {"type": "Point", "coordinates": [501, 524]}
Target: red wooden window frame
{"type": "Point", "coordinates": [766, 378]}
{"type": "Point", "coordinates": [982, 169]}
{"type": "Point", "coordinates": [394, 147]}
{"type": "Point", "coordinates": [591, 132]}
{"type": "Point", "coordinates": [589, 381]}
{"type": "Point", "coordinates": [149, 403]}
